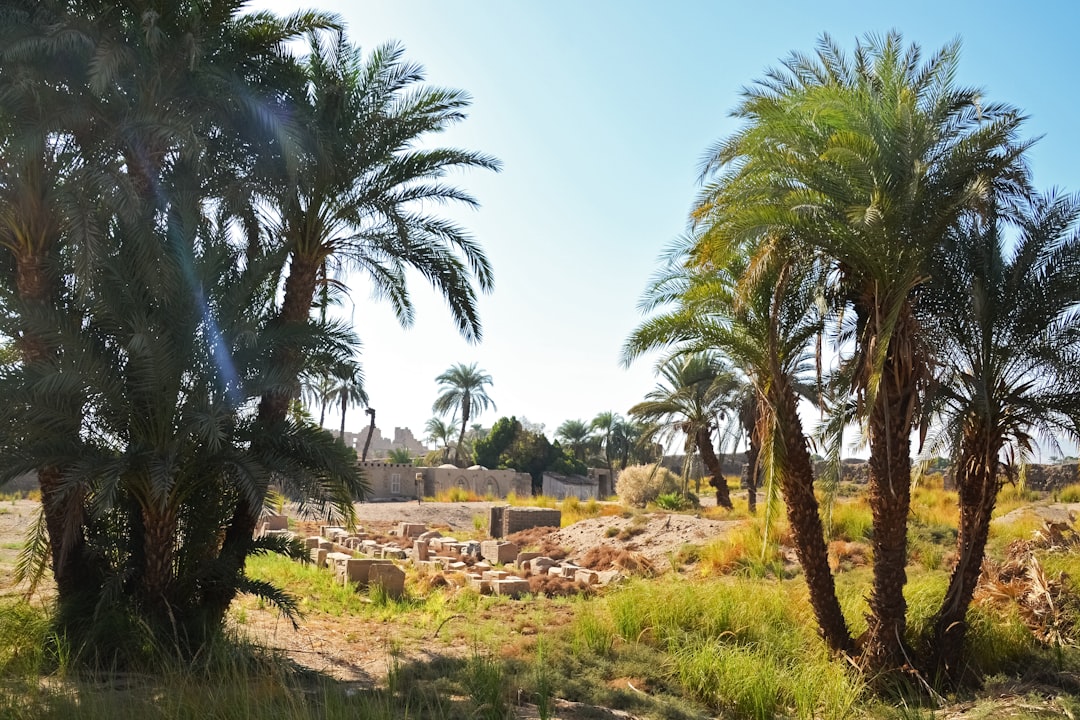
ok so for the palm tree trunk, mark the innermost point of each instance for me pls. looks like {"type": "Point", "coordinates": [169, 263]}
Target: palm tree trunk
{"type": "Point", "coordinates": [977, 484]}
{"type": "Point", "coordinates": [370, 432]}
{"type": "Point", "coordinates": [63, 514]}
{"type": "Point", "coordinates": [273, 409]}
{"type": "Point", "coordinates": [753, 453]}
{"type": "Point", "coordinates": [466, 401]}
{"type": "Point", "coordinates": [344, 404]}
{"type": "Point", "coordinates": [797, 485]}
{"type": "Point", "coordinates": [716, 469]}
{"type": "Point", "coordinates": [159, 545]}
{"type": "Point", "coordinates": [890, 502]}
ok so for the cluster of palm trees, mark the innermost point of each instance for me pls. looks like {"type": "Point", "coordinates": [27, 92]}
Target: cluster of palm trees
{"type": "Point", "coordinates": [869, 203]}
{"type": "Point", "coordinates": [608, 440]}
{"type": "Point", "coordinates": [180, 193]}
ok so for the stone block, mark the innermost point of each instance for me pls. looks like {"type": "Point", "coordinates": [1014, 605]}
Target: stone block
{"type": "Point", "coordinates": [326, 545]}
{"type": "Point", "coordinates": [478, 583]}
{"type": "Point", "coordinates": [524, 557]}
{"type": "Point", "coordinates": [458, 566]}
{"type": "Point", "coordinates": [513, 587]}
{"type": "Point", "coordinates": [588, 577]}
{"type": "Point", "coordinates": [492, 575]}
{"type": "Point", "coordinates": [389, 577]}
{"type": "Point", "coordinates": [358, 570]}
{"type": "Point", "coordinates": [318, 556]}
{"type": "Point", "coordinates": [429, 535]}
{"type": "Point", "coordinates": [276, 522]}
{"type": "Point", "coordinates": [609, 577]}
{"type": "Point", "coordinates": [312, 543]}
{"type": "Point", "coordinates": [411, 530]}
{"type": "Point", "coordinates": [393, 553]}
{"type": "Point", "coordinates": [420, 550]}
{"type": "Point", "coordinates": [498, 552]}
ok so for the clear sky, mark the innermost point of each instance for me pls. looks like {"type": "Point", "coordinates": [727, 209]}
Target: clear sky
{"type": "Point", "coordinates": [601, 112]}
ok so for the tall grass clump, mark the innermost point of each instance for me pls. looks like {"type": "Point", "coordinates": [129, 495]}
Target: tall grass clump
{"type": "Point", "coordinates": [850, 520]}
{"type": "Point", "coordinates": [747, 647]}
{"type": "Point", "coordinates": [746, 550]}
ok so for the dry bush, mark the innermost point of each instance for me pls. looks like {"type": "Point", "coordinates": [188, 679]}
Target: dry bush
{"type": "Point", "coordinates": [844, 555]}
{"type": "Point", "coordinates": [531, 537]}
{"type": "Point", "coordinates": [426, 583]}
{"type": "Point", "coordinates": [639, 485]}
{"type": "Point", "coordinates": [605, 557]}
{"type": "Point", "coordinates": [552, 586]}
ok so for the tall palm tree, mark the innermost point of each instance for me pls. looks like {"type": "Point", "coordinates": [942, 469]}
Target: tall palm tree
{"type": "Point", "coordinates": [319, 389]}
{"type": "Point", "coordinates": [575, 437]}
{"type": "Point", "coordinates": [463, 387]}
{"type": "Point", "coordinates": [442, 432]}
{"type": "Point", "coordinates": [357, 198]}
{"type": "Point", "coordinates": [1003, 323]}
{"type": "Point", "coordinates": [866, 162]}
{"type": "Point", "coordinates": [348, 390]}
{"type": "Point", "coordinates": [694, 397]}
{"type": "Point", "coordinates": [764, 329]}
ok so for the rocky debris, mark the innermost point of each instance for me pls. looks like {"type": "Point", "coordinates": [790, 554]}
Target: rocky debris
{"type": "Point", "coordinates": [491, 567]}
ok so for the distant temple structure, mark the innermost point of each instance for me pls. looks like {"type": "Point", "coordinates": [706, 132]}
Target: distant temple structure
{"type": "Point", "coordinates": [380, 446]}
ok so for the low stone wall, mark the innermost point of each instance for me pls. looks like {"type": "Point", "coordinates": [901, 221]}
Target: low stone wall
{"type": "Point", "coordinates": [507, 520]}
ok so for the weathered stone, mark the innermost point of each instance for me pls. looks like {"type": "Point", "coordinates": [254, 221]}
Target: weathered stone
{"type": "Point", "coordinates": [420, 550]}
{"type": "Point", "coordinates": [478, 583]}
{"type": "Point", "coordinates": [588, 577]}
{"type": "Point", "coordinates": [358, 570]}
{"type": "Point", "coordinates": [609, 577]}
{"type": "Point", "coordinates": [276, 522]}
{"type": "Point", "coordinates": [318, 556]}
{"type": "Point", "coordinates": [498, 552]}
{"type": "Point", "coordinates": [411, 530]}
{"type": "Point", "coordinates": [524, 557]}
{"type": "Point", "coordinates": [312, 542]}
{"type": "Point", "coordinates": [429, 535]}
{"type": "Point", "coordinates": [492, 575]}
{"type": "Point", "coordinates": [389, 577]}
{"type": "Point", "coordinates": [513, 587]}
{"type": "Point", "coordinates": [393, 553]}
{"type": "Point", "coordinates": [326, 545]}
{"type": "Point", "coordinates": [457, 566]}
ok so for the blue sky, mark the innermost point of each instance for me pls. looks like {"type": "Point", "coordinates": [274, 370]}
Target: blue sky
{"type": "Point", "coordinates": [601, 113]}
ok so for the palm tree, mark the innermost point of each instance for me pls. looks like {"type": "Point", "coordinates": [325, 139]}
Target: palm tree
{"type": "Point", "coordinates": [356, 199]}
{"type": "Point", "coordinates": [764, 329]}
{"type": "Point", "coordinates": [866, 163]}
{"type": "Point", "coordinates": [463, 387]}
{"type": "Point", "coordinates": [164, 383]}
{"type": "Point", "coordinates": [575, 437]}
{"type": "Point", "coordinates": [112, 101]}
{"type": "Point", "coordinates": [348, 389]}
{"type": "Point", "coordinates": [441, 432]}
{"type": "Point", "coordinates": [695, 396]}
{"type": "Point", "coordinates": [1003, 323]}
{"type": "Point", "coordinates": [319, 389]}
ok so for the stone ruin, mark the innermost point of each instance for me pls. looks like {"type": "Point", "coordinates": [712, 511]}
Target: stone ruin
{"type": "Point", "coordinates": [495, 567]}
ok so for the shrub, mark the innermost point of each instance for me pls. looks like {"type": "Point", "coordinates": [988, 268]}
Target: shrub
{"type": "Point", "coordinates": [641, 484]}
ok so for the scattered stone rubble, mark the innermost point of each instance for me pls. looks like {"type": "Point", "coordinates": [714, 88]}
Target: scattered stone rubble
{"type": "Point", "coordinates": [495, 567]}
